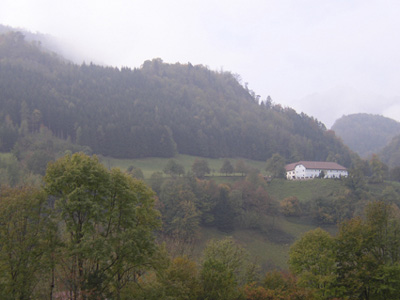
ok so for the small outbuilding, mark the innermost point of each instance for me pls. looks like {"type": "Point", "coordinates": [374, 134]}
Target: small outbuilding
{"type": "Point", "coordinates": [315, 169]}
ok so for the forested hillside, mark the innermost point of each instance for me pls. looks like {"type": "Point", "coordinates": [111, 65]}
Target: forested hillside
{"type": "Point", "coordinates": [390, 155]}
{"type": "Point", "coordinates": [156, 110]}
{"type": "Point", "coordinates": [365, 133]}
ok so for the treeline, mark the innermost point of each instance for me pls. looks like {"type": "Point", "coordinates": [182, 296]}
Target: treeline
{"type": "Point", "coordinates": [156, 110]}
{"type": "Point", "coordinates": [186, 203]}
{"type": "Point", "coordinates": [27, 162]}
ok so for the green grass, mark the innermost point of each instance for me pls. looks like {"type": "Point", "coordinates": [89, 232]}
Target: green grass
{"type": "Point", "coordinates": [304, 190]}
{"type": "Point", "coordinates": [262, 248]}
{"type": "Point", "coordinates": [5, 155]}
{"type": "Point", "coordinates": [154, 164]}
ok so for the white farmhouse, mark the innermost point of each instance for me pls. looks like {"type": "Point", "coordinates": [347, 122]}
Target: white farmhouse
{"type": "Point", "coordinates": [313, 169]}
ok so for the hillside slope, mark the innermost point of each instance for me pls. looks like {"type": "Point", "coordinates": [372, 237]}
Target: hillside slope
{"type": "Point", "coordinates": [390, 154]}
{"type": "Point", "coordinates": [157, 110]}
{"type": "Point", "coordinates": [365, 133]}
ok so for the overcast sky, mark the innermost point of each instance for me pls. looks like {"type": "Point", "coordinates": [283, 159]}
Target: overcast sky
{"type": "Point", "coordinates": [323, 57]}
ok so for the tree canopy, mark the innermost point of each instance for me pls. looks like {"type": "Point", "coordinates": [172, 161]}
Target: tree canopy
{"type": "Point", "coordinates": [276, 166]}
{"type": "Point", "coordinates": [174, 168]}
{"type": "Point", "coordinates": [200, 168]}
{"type": "Point", "coordinates": [361, 262]}
{"type": "Point", "coordinates": [227, 167]}
{"type": "Point", "coordinates": [108, 218]}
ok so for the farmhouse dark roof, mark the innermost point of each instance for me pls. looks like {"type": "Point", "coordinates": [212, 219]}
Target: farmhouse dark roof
{"type": "Point", "coordinates": [316, 165]}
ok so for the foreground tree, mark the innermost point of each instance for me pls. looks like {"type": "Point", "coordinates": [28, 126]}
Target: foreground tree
{"type": "Point", "coordinates": [312, 259]}
{"type": "Point", "coordinates": [130, 221]}
{"type": "Point", "coordinates": [278, 285]}
{"type": "Point", "coordinates": [107, 219]}
{"type": "Point", "coordinates": [362, 262]}
{"type": "Point", "coordinates": [222, 270]}
{"type": "Point", "coordinates": [26, 241]}
{"type": "Point", "coordinates": [178, 280]}
{"type": "Point", "coordinates": [368, 254]}
{"type": "Point", "coordinates": [80, 185]}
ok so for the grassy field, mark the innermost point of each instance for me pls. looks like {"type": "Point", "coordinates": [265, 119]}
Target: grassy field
{"type": "Point", "coordinates": [303, 190]}
{"type": "Point", "coordinates": [154, 164]}
{"type": "Point", "coordinates": [278, 188]}
{"type": "Point", "coordinates": [263, 248]}
{"type": "Point", "coordinates": [5, 155]}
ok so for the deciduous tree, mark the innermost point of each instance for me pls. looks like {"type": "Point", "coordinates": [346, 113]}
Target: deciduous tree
{"type": "Point", "coordinates": [290, 206]}
{"type": "Point", "coordinates": [278, 286]}
{"type": "Point", "coordinates": [108, 219]}
{"type": "Point", "coordinates": [200, 168]}
{"type": "Point", "coordinates": [173, 168]}
{"type": "Point", "coordinates": [27, 238]}
{"type": "Point", "coordinates": [227, 167]}
{"type": "Point", "coordinates": [368, 254]}
{"type": "Point", "coordinates": [312, 259]}
{"type": "Point", "coordinates": [180, 214]}
{"type": "Point", "coordinates": [241, 167]}
{"type": "Point", "coordinates": [222, 270]}
{"type": "Point", "coordinates": [379, 170]}
{"type": "Point", "coordinates": [276, 166]}
{"type": "Point", "coordinates": [395, 174]}
{"type": "Point", "coordinates": [135, 172]}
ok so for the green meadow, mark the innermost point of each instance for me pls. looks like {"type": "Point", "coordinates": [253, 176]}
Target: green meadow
{"type": "Point", "coordinates": [156, 164]}
{"type": "Point", "coordinates": [304, 190]}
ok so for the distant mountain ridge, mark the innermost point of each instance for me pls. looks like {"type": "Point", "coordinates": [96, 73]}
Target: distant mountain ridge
{"type": "Point", "coordinates": [156, 110]}
{"type": "Point", "coordinates": [328, 106]}
{"type": "Point", "coordinates": [366, 134]}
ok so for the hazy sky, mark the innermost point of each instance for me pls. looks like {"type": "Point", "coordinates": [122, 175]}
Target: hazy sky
{"type": "Point", "coordinates": [305, 54]}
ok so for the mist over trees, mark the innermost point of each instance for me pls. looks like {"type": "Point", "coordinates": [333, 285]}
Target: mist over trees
{"type": "Point", "coordinates": [157, 110]}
